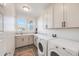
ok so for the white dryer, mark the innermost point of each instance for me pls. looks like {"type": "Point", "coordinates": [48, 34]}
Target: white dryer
{"type": "Point", "coordinates": [61, 47]}
{"type": "Point", "coordinates": [42, 45]}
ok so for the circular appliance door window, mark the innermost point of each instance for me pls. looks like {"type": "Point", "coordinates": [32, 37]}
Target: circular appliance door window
{"type": "Point", "coordinates": [40, 47]}
{"type": "Point", "coordinates": [54, 53]}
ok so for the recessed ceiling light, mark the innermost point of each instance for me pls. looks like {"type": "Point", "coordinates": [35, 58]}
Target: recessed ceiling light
{"type": "Point", "coordinates": [26, 8]}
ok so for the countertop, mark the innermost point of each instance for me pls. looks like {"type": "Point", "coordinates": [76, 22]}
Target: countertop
{"type": "Point", "coordinates": [24, 34]}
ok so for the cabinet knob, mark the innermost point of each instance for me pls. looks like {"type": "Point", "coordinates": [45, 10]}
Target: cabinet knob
{"type": "Point", "coordinates": [64, 48]}
{"type": "Point", "coordinates": [56, 46]}
{"type": "Point", "coordinates": [54, 35]}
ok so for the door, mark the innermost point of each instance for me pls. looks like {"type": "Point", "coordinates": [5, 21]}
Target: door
{"type": "Point", "coordinates": [30, 39]}
{"type": "Point", "coordinates": [71, 14]}
{"type": "Point", "coordinates": [50, 20]}
{"type": "Point", "coordinates": [26, 40]}
{"type": "Point", "coordinates": [45, 18]}
{"type": "Point", "coordinates": [40, 24]}
{"type": "Point", "coordinates": [19, 41]}
{"type": "Point", "coordinates": [58, 15]}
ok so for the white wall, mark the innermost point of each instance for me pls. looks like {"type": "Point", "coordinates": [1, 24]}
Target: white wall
{"type": "Point", "coordinates": [9, 17]}
{"type": "Point", "coordinates": [9, 23]}
{"type": "Point", "coordinates": [72, 34]}
{"type": "Point", "coordinates": [7, 38]}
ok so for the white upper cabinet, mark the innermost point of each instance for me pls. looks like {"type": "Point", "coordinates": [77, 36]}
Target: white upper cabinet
{"type": "Point", "coordinates": [71, 15]}
{"type": "Point", "coordinates": [62, 15]}
{"type": "Point", "coordinates": [45, 18]}
{"type": "Point", "coordinates": [66, 15]}
{"type": "Point", "coordinates": [58, 15]}
{"type": "Point", "coordinates": [40, 23]}
{"type": "Point", "coordinates": [50, 20]}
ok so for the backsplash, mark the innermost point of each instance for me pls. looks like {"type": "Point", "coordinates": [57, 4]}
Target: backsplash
{"type": "Point", "coordinates": [72, 34]}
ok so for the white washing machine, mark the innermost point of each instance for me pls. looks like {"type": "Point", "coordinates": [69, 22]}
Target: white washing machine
{"type": "Point", "coordinates": [61, 47]}
{"type": "Point", "coordinates": [42, 45]}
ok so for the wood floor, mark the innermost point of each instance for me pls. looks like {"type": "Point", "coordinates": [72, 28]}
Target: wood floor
{"type": "Point", "coordinates": [29, 50]}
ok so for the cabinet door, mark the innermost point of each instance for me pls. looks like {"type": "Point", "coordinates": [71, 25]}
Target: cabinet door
{"type": "Point", "coordinates": [50, 20]}
{"type": "Point", "coordinates": [58, 15]}
{"type": "Point", "coordinates": [72, 14]}
{"type": "Point", "coordinates": [40, 24]}
{"type": "Point", "coordinates": [30, 39]}
{"type": "Point", "coordinates": [45, 20]}
{"type": "Point", "coordinates": [25, 41]}
{"type": "Point", "coordinates": [19, 41]}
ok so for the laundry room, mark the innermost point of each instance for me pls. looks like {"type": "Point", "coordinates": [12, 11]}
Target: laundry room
{"type": "Point", "coordinates": [39, 29]}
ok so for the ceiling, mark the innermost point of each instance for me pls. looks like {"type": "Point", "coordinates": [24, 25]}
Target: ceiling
{"type": "Point", "coordinates": [36, 9]}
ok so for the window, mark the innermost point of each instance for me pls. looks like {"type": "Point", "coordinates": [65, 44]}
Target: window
{"type": "Point", "coordinates": [21, 25]}
{"type": "Point", "coordinates": [24, 25]}
{"type": "Point", "coordinates": [30, 26]}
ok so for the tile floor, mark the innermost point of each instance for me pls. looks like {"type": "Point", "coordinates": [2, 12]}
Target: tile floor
{"type": "Point", "coordinates": [29, 50]}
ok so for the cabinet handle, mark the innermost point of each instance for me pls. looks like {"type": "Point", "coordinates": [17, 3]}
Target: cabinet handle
{"type": "Point", "coordinates": [64, 48]}
{"type": "Point", "coordinates": [46, 26]}
{"type": "Point", "coordinates": [56, 46]}
{"type": "Point", "coordinates": [63, 24]}
{"type": "Point", "coordinates": [6, 54]}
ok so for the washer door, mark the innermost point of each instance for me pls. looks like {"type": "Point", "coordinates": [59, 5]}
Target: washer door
{"type": "Point", "coordinates": [40, 47]}
{"type": "Point", "coordinates": [54, 52]}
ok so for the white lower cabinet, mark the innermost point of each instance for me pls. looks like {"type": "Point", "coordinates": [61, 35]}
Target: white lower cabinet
{"type": "Point", "coordinates": [18, 41]}
{"type": "Point", "coordinates": [23, 40]}
{"type": "Point", "coordinates": [30, 39]}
